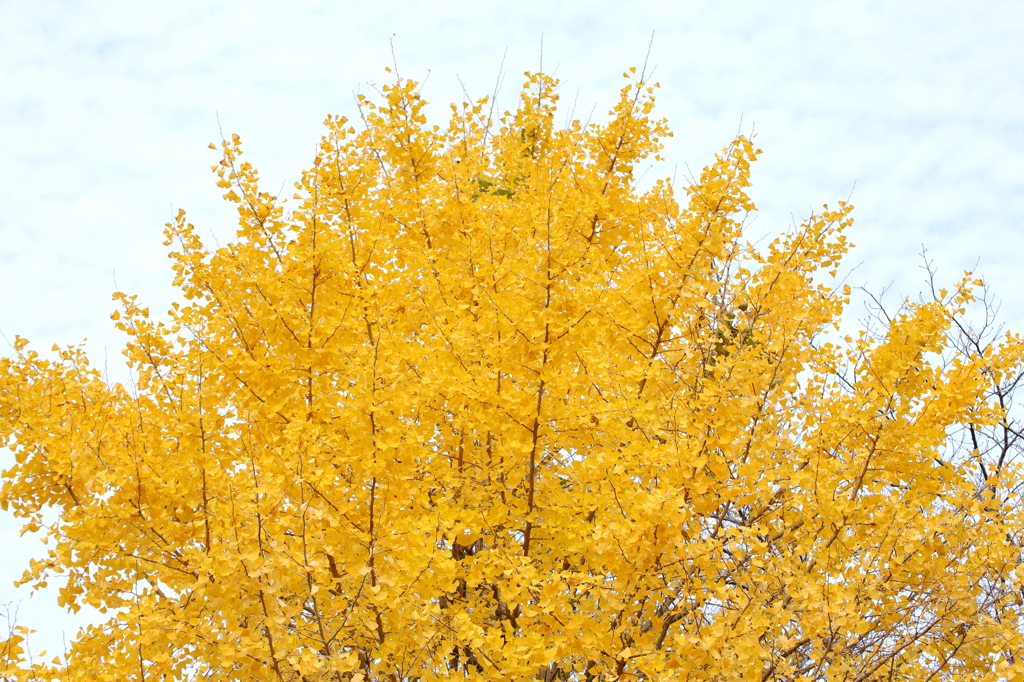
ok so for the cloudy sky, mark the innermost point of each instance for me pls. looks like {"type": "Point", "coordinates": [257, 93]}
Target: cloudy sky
{"type": "Point", "coordinates": [911, 108]}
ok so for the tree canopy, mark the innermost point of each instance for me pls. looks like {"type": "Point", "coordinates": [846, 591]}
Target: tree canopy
{"type": "Point", "coordinates": [476, 404]}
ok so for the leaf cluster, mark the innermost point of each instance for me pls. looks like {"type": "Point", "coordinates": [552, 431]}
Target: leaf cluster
{"type": "Point", "coordinates": [477, 405]}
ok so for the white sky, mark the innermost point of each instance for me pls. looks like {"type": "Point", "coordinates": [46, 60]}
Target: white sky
{"type": "Point", "coordinates": [107, 107]}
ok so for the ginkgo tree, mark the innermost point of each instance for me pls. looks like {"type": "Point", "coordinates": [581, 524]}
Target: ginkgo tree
{"type": "Point", "coordinates": [475, 404]}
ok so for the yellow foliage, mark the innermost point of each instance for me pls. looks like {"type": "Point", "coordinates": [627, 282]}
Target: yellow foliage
{"type": "Point", "coordinates": [478, 406]}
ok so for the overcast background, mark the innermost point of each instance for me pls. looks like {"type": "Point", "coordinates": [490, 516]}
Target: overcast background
{"type": "Point", "coordinates": [107, 107]}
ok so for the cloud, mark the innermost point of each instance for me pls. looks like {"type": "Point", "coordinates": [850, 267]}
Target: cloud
{"type": "Point", "coordinates": [108, 106]}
